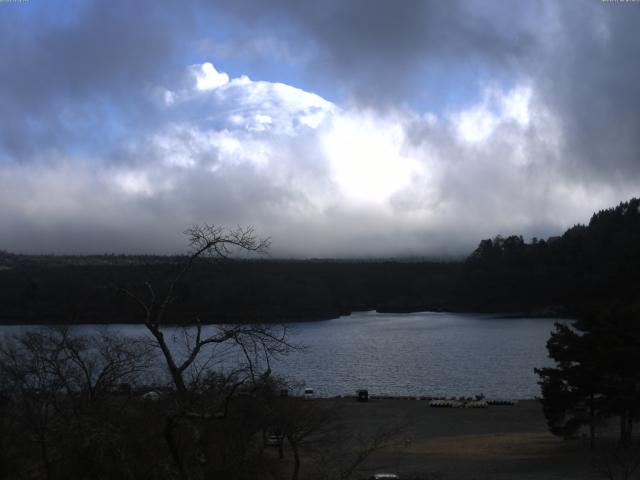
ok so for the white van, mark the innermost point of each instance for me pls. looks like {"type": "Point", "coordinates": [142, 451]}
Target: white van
{"type": "Point", "coordinates": [308, 393]}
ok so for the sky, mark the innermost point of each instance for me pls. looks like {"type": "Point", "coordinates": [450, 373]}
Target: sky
{"type": "Point", "coordinates": [361, 128]}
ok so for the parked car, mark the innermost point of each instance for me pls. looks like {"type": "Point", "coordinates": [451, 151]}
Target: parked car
{"type": "Point", "coordinates": [308, 393]}
{"type": "Point", "coordinates": [152, 395]}
{"type": "Point", "coordinates": [274, 439]}
{"type": "Point", "coordinates": [362, 395]}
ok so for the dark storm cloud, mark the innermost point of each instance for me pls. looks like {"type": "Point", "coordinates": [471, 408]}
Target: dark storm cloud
{"type": "Point", "coordinates": [378, 49]}
{"type": "Point", "coordinates": [589, 73]}
{"type": "Point", "coordinates": [69, 81]}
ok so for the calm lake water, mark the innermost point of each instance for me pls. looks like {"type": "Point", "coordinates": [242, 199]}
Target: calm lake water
{"type": "Point", "coordinates": [434, 354]}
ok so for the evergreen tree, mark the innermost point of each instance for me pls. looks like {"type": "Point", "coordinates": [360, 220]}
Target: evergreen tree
{"type": "Point", "coordinates": [597, 374]}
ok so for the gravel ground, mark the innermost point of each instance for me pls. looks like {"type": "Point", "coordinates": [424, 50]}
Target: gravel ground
{"type": "Point", "coordinates": [498, 442]}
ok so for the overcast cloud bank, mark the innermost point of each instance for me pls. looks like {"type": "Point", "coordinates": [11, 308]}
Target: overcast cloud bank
{"type": "Point", "coordinates": [118, 148]}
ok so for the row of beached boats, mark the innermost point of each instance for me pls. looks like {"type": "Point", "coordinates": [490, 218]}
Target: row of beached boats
{"type": "Point", "coordinates": [463, 403]}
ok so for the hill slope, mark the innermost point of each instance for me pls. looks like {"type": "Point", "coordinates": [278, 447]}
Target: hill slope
{"type": "Point", "coordinates": [588, 267]}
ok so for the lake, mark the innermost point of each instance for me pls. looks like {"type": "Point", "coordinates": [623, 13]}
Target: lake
{"type": "Point", "coordinates": [418, 354]}
{"type": "Point", "coordinates": [434, 354]}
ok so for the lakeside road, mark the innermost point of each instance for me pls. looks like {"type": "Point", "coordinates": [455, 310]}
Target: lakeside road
{"type": "Point", "coordinates": [498, 442]}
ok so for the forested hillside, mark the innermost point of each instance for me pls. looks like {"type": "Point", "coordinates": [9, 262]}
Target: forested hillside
{"type": "Point", "coordinates": [587, 267]}
{"type": "Point", "coordinates": [590, 265]}
{"type": "Point", "coordinates": [234, 291]}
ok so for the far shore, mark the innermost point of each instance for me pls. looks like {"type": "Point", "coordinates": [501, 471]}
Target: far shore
{"type": "Point", "coordinates": [316, 318]}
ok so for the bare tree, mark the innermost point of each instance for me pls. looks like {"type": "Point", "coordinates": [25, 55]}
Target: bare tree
{"type": "Point", "coordinates": [188, 364]}
{"type": "Point", "coordinates": [305, 425]}
{"type": "Point", "coordinates": [257, 343]}
{"type": "Point", "coordinates": [59, 387]}
{"type": "Point", "coordinates": [30, 384]}
{"type": "Point", "coordinates": [616, 461]}
{"type": "Point", "coordinates": [209, 425]}
{"type": "Point", "coordinates": [346, 451]}
{"type": "Point", "coordinates": [316, 433]}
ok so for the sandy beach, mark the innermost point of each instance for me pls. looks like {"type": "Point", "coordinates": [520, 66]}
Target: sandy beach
{"type": "Point", "coordinates": [498, 442]}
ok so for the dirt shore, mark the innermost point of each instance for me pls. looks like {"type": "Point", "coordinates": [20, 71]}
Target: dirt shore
{"type": "Point", "coordinates": [498, 442]}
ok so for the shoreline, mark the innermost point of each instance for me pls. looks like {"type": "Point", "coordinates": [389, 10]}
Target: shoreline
{"type": "Point", "coordinates": [318, 318]}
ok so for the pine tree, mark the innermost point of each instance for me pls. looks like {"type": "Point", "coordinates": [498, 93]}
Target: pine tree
{"type": "Point", "coordinates": [597, 374]}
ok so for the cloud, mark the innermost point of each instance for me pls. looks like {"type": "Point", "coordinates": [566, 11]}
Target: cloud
{"type": "Point", "coordinates": [321, 180]}
{"type": "Point", "coordinates": [403, 128]}
{"type": "Point", "coordinates": [589, 77]}
{"type": "Point", "coordinates": [378, 51]}
{"type": "Point", "coordinates": [80, 81]}
{"type": "Point", "coordinates": [208, 78]}
{"type": "Point", "coordinates": [578, 59]}
{"type": "Point", "coordinates": [262, 48]}
{"type": "Point", "coordinates": [478, 123]}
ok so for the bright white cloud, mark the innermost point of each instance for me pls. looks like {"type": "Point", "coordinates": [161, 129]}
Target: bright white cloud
{"type": "Point", "coordinates": [319, 179]}
{"type": "Point", "coordinates": [367, 158]}
{"type": "Point", "coordinates": [208, 78]}
{"type": "Point", "coordinates": [477, 123]}
{"type": "Point", "coordinates": [134, 183]}
{"type": "Point", "coordinates": [515, 105]}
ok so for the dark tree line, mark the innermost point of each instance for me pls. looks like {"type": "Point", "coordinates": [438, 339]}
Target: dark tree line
{"type": "Point", "coordinates": [228, 291]}
{"type": "Point", "coordinates": [587, 267]}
